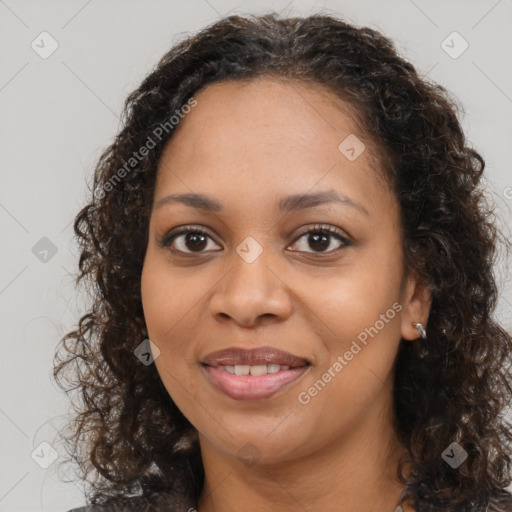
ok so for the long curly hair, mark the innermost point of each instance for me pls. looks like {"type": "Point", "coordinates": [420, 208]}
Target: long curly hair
{"type": "Point", "coordinates": [128, 438]}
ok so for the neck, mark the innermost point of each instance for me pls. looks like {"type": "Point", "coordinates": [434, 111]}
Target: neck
{"type": "Point", "coordinates": [356, 472]}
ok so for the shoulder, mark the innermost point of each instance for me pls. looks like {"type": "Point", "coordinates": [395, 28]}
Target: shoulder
{"type": "Point", "coordinates": [160, 503]}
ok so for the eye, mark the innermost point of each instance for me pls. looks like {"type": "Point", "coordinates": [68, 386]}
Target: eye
{"type": "Point", "coordinates": [194, 240]}
{"type": "Point", "coordinates": [190, 237]}
{"type": "Point", "coordinates": [320, 238]}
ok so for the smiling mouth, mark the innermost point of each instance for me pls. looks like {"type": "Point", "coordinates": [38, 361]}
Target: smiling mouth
{"type": "Point", "coordinates": [256, 357]}
{"type": "Point", "coordinates": [255, 374]}
{"type": "Point", "coordinates": [254, 370]}
{"type": "Point", "coordinates": [253, 382]}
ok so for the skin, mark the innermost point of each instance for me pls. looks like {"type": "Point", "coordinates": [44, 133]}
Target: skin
{"type": "Point", "coordinates": [248, 145]}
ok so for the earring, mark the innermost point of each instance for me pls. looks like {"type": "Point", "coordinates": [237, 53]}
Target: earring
{"type": "Point", "coordinates": [421, 329]}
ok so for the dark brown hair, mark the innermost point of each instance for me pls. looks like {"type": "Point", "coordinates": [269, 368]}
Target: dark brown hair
{"type": "Point", "coordinates": [451, 387]}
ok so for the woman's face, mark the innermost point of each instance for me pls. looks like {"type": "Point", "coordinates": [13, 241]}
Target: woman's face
{"type": "Point", "coordinates": [263, 276]}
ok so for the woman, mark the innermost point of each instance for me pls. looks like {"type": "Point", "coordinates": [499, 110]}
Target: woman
{"type": "Point", "coordinates": [292, 260]}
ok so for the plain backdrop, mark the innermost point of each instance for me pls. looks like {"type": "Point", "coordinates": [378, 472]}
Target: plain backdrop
{"type": "Point", "coordinates": [59, 111]}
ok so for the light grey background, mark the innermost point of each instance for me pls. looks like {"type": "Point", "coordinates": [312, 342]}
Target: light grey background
{"type": "Point", "coordinates": [59, 112]}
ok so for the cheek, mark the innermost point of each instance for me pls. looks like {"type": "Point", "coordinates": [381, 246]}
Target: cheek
{"type": "Point", "coordinates": [155, 303]}
{"type": "Point", "coordinates": [357, 319]}
{"type": "Point", "coordinates": [164, 298]}
{"type": "Point", "coordinates": [344, 304]}
{"type": "Point", "coordinates": [356, 313]}
{"type": "Point", "coordinates": [163, 309]}
{"type": "Point", "coordinates": [170, 310]}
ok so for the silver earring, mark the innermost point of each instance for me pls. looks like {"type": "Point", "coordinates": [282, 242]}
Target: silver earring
{"type": "Point", "coordinates": [421, 329]}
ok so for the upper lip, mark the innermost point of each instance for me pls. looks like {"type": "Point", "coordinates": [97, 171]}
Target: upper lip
{"type": "Point", "coordinates": [261, 355]}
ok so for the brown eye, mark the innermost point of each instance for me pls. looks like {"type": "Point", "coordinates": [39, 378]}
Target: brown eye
{"type": "Point", "coordinates": [188, 241]}
{"type": "Point", "coordinates": [320, 239]}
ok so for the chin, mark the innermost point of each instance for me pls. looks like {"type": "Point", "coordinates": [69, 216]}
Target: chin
{"type": "Point", "coordinates": [254, 446]}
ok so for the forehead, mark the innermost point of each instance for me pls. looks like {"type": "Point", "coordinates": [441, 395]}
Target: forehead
{"type": "Point", "coordinates": [263, 137]}
{"type": "Point", "coordinates": [267, 111]}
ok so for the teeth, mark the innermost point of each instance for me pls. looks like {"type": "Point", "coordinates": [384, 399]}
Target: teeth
{"type": "Point", "coordinates": [260, 369]}
{"type": "Point", "coordinates": [255, 370]}
{"type": "Point", "coordinates": [242, 369]}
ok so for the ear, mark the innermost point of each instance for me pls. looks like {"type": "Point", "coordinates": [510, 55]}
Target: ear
{"type": "Point", "coordinates": [416, 301]}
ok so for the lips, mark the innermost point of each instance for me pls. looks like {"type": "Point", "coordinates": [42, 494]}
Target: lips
{"type": "Point", "coordinates": [259, 356]}
{"type": "Point", "coordinates": [253, 374]}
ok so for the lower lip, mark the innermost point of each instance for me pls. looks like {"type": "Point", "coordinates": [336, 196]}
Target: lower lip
{"type": "Point", "coordinates": [247, 387]}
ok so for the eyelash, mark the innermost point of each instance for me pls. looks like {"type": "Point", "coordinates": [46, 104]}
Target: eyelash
{"type": "Point", "coordinates": [166, 241]}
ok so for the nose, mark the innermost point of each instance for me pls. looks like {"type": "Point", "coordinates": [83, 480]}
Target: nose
{"type": "Point", "coordinates": [250, 293]}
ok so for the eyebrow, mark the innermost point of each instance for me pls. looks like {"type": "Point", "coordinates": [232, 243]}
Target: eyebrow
{"type": "Point", "coordinates": [287, 204]}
